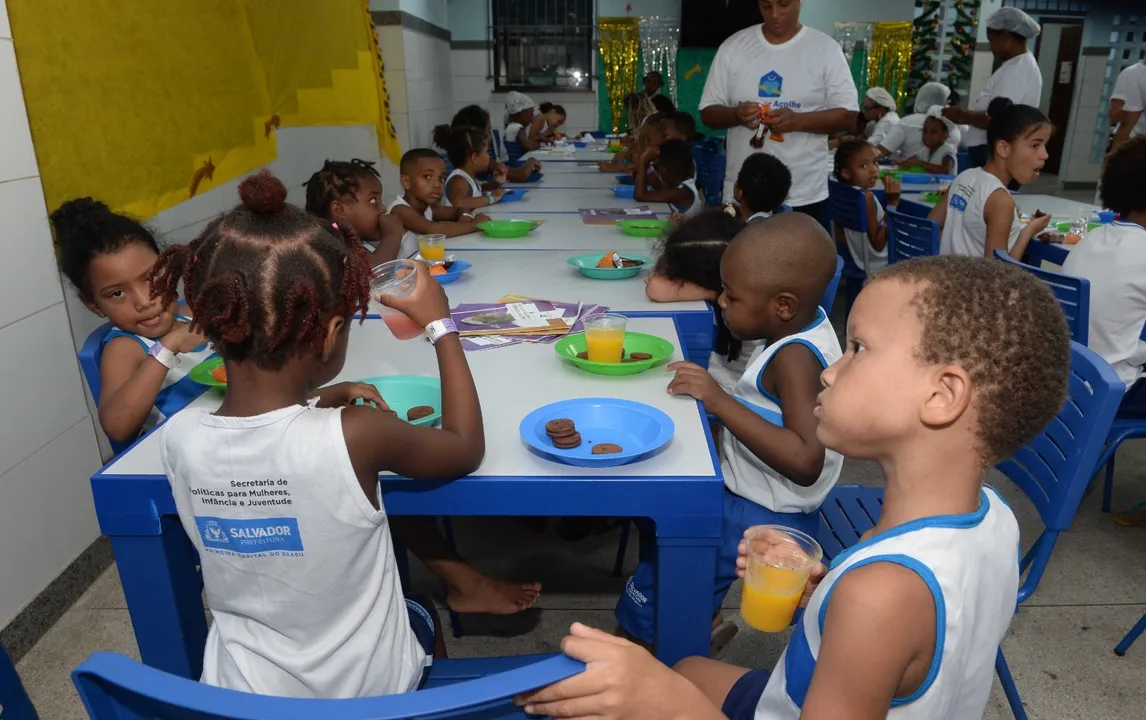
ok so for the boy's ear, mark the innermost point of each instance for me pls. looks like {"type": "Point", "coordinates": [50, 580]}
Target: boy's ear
{"type": "Point", "coordinates": [949, 397]}
{"type": "Point", "coordinates": [330, 342]}
{"type": "Point", "coordinates": [787, 305]}
{"type": "Point", "coordinates": [405, 180]}
{"type": "Point", "coordinates": [737, 194]}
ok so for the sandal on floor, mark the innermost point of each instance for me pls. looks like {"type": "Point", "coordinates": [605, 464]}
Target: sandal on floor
{"type": "Point", "coordinates": [1134, 517]}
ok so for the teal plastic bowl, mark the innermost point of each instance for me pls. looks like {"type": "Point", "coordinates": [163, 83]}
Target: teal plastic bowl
{"type": "Point", "coordinates": [402, 392]}
{"type": "Point", "coordinates": [587, 265]}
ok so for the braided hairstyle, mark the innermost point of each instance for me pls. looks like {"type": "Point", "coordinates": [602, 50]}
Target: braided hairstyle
{"type": "Point", "coordinates": [86, 228]}
{"type": "Point", "coordinates": [264, 279]}
{"type": "Point", "coordinates": [336, 180]}
{"type": "Point", "coordinates": [460, 142]}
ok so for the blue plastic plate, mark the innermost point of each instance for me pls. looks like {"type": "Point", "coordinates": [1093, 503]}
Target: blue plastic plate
{"type": "Point", "coordinates": [455, 272]}
{"type": "Point", "coordinates": [402, 392]}
{"type": "Point", "coordinates": [580, 144]}
{"type": "Point", "coordinates": [624, 191]}
{"type": "Point", "coordinates": [626, 180]}
{"type": "Point", "coordinates": [513, 195]}
{"type": "Point", "coordinates": [639, 429]}
{"type": "Point", "coordinates": [924, 179]}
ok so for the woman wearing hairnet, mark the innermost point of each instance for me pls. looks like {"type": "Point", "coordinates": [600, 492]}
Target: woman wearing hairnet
{"type": "Point", "coordinates": [1018, 77]}
{"type": "Point", "coordinates": [905, 138]}
{"type": "Point", "coordinates": [880, 111]}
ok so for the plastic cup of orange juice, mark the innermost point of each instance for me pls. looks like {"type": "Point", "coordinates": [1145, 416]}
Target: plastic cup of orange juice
{"type": "Point", "coordinates": [398, 278]}
{"type": "Point", "coordinates": [605, 337]}
{"type": "Point", "coordinates": [780, 560]}
{"type": "Point", "coordinates": [432, 247]}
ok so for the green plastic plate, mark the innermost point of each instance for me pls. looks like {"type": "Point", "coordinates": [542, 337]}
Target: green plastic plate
{"type": "Point", "coordinates": [402, 392]}
{"type": "Point", "coordinates": [1064, 227]}
{"type": "Point", "coordinates": [661, 350]}
{"type": "Point", "coordinates": [587, 264]}
{"type": "Point", "coordinates": [643, 228]}
{"type": "Point", "coordinates": [507, 228]}
{"type": "Point", "coordinates": [932, 197]}
{"type": "Point", "coordinates": [201, 373]}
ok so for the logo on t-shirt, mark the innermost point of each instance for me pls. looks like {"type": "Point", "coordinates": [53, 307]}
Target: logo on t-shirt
{"type": "Point", "coordinates": [959, 203]}
{"type": "Point", "coordinates": [248, 537]}
{"type": "Point", "coordinates": [771, 85]}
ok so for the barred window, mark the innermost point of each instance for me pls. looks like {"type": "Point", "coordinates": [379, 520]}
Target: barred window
{"type": "Point", "coordinates": [543, 44]}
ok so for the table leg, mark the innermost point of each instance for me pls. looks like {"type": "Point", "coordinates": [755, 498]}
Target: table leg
{"type": "Point", "coordinates": [686, 568]}
{"type": "Point", "coordinates": [164, 598]}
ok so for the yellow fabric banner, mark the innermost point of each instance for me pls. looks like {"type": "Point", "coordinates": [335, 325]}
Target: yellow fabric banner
{"type": "Point", "coordinates": [145, 104]}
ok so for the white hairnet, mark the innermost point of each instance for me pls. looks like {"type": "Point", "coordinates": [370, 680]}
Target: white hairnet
{"type": "Point", "coordinates": [1014, 20]}
{"type": "Point", "coordinates": [881, 97]}
{"type": "Point", "coordinates": [515, 102]}
{"type": "Point", "coordinates": [930, 95]}
{"type": "Point", "coordinates": [937, 113]}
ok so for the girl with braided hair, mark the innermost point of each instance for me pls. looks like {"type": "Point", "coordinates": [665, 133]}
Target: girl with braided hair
{"type": "Point", "coordinates": [350, 192]}
{"type": "Point", "coordinates": [280, 495]}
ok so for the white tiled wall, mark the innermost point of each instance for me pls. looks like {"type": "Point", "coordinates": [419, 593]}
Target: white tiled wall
{"type": "Point", "coordinates": [47, 440]}
{"type": "Point", "coordinates": [429, 85]}
{"type": "Point", "coordinates": [1076, 164]}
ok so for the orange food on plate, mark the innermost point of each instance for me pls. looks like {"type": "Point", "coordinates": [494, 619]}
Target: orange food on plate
{"type": "Point", "coordinates": [220, 374]}
{"type": "Point", "coordinates": [607, 261]}
{"type": "Point", "coordinates": [437, 270]}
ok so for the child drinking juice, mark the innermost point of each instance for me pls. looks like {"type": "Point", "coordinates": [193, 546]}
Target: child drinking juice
{"type": "Point", "coordinates": [673, 163]}
{"type": "Point", "coordinates": [761, 186]}
{"type": "Point", "coordinates": [316, 610]}
{"type": "Point", "coordinates": [776, 472]}
{"type": "Point", "coordinates": [688, 269]}
{"type": "Point", "coordinates": [423, 180]}
{"type": "Point", "coordinates": [350, 194]}
{"type": "Point", "coordinates": [907, 623]}
{"type": "Point", "coordinates": [145, 358]}
{"type": "Point", "coordinates": [979, 216]}
{"type": "Point", "coordinates": [938, 154]}
{"type": "Point", "coordinates": [468, 151]}
{"type": "Point", "coordinates": [476, 116]}
{"type": "Point", "coordinates": [856, 166]}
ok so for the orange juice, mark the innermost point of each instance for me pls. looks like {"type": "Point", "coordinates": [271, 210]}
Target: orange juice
{"type": "Point", "coordinates": [604, 346]}
{"type": "Point", "coordinates": [432, 247]}
{"type": "Point", "coordinates": [771, 596]}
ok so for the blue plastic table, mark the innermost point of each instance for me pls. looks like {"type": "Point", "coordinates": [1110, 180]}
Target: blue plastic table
{"type": "Point", "coordinates": [680, 489]}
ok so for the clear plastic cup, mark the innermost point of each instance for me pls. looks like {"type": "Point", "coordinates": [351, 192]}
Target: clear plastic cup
{"type": "Point", "coordinates": [780, 560]}
{"type": "Point", "coordinates": [432, 247]}
{"type": "Point", "coordinates": [605, 337]}
{"type": "Point", "coordinates": [398, 278]}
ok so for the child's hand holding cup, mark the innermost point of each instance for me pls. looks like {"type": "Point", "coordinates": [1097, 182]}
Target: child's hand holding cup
{"type": "Point", "coordinates": [410, 298]}
{"type": "Point", "coordinates": [781, 568]}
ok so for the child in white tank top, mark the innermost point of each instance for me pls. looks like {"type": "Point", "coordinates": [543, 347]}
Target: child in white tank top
{"type": "Point", "coordinates": [468, 151]}
{"type": "Point", "coordinates": [907, 623]}
{"type": "Point", "coordinates": [420, 208]}
{"type": "Point", "coordinates": [673, 163]}
{"type": "Point", "coordinates": [301, 578]}
{"type": "Point", "coordinates": [856, 166]}
{"type": "Point", "coordinates": [978, 215]}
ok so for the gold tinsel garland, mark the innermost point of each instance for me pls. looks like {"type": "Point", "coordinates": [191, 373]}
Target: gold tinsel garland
{"type": "Point", "coordinates": [619, 40]}
{"type": "Point", "coordinates": [890, 59]}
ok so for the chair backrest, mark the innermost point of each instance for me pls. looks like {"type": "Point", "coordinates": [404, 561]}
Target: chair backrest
{"type": "Point", "coordinates": [495, 144]}
{"type": "Point", "coordinates": [446, 160]}
{"type": "Point", "coordinates": [829, 298]}
{"type": "Point", "coordinates": [913, 208]}
{"type": "Point", "coordinates": [14, 701]}
{"type": "Point", "coordinates": [1055, 468]}
{"type": "Point", "coordinates": [1072, 293]}
{"type": "Point", "coordinates": [846, 206]}
{"type": "Point", "coordinates": [909, 237]}
{"type": "Point", "coordinates": [89, 356]}
{"type": "Point", "coordinates": [114, 687]}
{"type": "Point", "coordinates": [962, 161]}
{"type": "Point", "coordinates": [514, 150]}
{"type": "Point", "coordinates": [714, 189]}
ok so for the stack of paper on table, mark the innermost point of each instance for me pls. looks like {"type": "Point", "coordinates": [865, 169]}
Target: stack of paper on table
{"type": "Point", "coordinates": [516, 319]}
{"type": "Point", "coordinates": [608, 216]}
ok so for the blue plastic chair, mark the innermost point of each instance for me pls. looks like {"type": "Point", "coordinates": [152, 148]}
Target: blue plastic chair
{"type": "Point", "coordinates": [1053, 470]}
{"type": "Point", "coordinates": [114, 687]}
{"type": "Point", "coordinates": [714, 188]}
{"type": "Point", "coordinates": [962, 161]}
{"type": "Point", "coordinates": [829, 298]}
{"type": "Point", "coordinates": [913, 208]}
{"type": "Point", "coordinates": [14, 701]}
{"type": "Point", "coordinates": [1072, 293]}
{"type": "Point", "coordinates": [847, 208]}
{"type": "Point", "coordinates": [514, 151]}
{"type": "Point", "coordinates": [1130, 637]}
{"type": "Point", "coordinates": [910, 237]}
{"type": "Point", "coordinates": [89, 356]}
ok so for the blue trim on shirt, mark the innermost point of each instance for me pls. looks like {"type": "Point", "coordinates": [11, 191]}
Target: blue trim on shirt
{"type": "Point", "coordinates": [770, 415]}
{"type": "Point", "coordinates": [963, 521]}
{"type": "Point", "coordinates": [178, 395]}
{"type": "Point", "coordinates": [797, 341]}
{"type": "Point", "coordinates": [928, 577]}
{"type": "Point", "coordinates": [799, 666]}
{"type": "Point", "coordinates": [1127, 223]}
{"type": "Point", "coordinates": [683, 210]}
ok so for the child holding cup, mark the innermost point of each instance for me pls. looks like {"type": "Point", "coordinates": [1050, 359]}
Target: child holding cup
{"type": "Point", "coordinates": [907, 622]}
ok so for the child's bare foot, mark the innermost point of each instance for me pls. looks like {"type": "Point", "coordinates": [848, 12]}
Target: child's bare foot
{"type": "Point", "coordinates": [483, 594]}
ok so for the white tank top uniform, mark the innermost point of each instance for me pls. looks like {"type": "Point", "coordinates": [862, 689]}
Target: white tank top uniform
{"type": "Point", "coordinates": [513, 132]}
{"type": "Point", "coordinates": [177, 390]}
{"type": "Point", "coordinates": [967, 563]}
{"type": "Point", "coordinates": [747, 475]}
{"type": "Point", "coordinates": [760, 216]}
{"type": "Point", "coordinates": [697, 205]}
{"type": "Point", "coordinates": [475, 188]}
{"type": "Point", "coordinates": [409, 244]}
{"type": "Point", "coordinates": [939, 155]}
{"type": "Point", "coordinates": [866, 257]}
{"type": "Point", "coordinates": [965, 229]}
{"type": "Point", "coordinates": [298, 566]}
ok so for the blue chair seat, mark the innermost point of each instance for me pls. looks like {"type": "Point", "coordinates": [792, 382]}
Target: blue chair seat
{"type": "Point", "coordinates": [14, 701]}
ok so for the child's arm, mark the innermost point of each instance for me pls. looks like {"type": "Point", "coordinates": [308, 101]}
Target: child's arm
{"type": "Point", "coordinates": [390, 232]}
{"type": "Point", "coordinates": [877, 643]}
{"type": "Point", "coordinates": [999, 214]}
{"type": "Point", "coordinates": [130, 380]}
{"type": "Point", "coordinates": [947, 167]}
{"type": "Point", "coordinates": [661, 289]}
{"type": "Point", "coordinates": [529, 137]}
{"type": "Point", "coordinates": [676, 196]}
{"type": "Point", "coordinates": [378, 441]}
{"type": "Point", "coordinates": [939, 212]}
{"type": "Point", "coordinates": [876, 230]}
{"type": "Point", "coordinates": [793, 375]}
{"type": "Point", "coordinates": [521, 174]}
{"type": "Point", "coordinates": [446, 223]}
{"type": "Point", "coordinates": [458, 191]}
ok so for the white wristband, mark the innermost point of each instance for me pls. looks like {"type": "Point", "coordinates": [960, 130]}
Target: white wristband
{"type": "Point", "coordinates": [438, 329]}
{"type": "Point", "coordinates": [166, 358]}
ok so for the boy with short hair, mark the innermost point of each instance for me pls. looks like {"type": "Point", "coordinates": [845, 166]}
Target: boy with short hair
{"type": "Point", "coordinates": [775, 469]}
{"type": "Point", "coordinates": [762, 186]}
{"type": "Point", "coordinates": [423, 176]}
{"type": "Point", "coordinates": [906, 623]}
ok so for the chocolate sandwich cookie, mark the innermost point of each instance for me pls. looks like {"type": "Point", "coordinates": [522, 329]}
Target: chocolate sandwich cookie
{"type": "Point", "coordinates": [567, 442]}
{"type": "Point", "coordinates": [607, 449]}
{"type": "Point", "coordinates": [419, 412]}
{"type": "Point", "coordinates": [561, 427]}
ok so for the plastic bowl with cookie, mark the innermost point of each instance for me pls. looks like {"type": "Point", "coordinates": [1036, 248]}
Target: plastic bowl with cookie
{"type": "Point", "coordinates": [417, 399]}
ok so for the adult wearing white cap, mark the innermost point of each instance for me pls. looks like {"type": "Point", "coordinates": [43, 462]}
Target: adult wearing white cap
{"type": "Point", "coordinates": [801, 74]}
{"type": "Point", "coordinates": [879, 108]}
{"type": "Point", "coordinates": [1017, 79]}
{"type": "Point", "coordinates": [905, 138]}
{"type": "Point", "coordinates": [519, 112]}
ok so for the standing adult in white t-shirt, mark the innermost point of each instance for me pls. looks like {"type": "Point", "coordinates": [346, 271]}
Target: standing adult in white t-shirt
{"type": "Point", "coordinates": [1017, 79]}
{"type": "Point", "coordinates": [801, 74]}
{"type": "Point", "coordinates": [1127, 103]}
